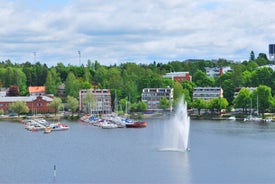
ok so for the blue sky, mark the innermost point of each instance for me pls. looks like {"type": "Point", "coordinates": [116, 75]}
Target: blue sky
{"type": "Point", "coordinates": [113, 32]}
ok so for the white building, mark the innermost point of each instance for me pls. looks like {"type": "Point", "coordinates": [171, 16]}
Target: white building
{"type": "Point", "coordinates": [207, 93]}
{"type": "Point", "coordinates": [102, 99]}
{"type": "Point", "coordinates": [217, 71]}
{"type": "Point", "coordinates": [152, 96]}
{"type": "Point", "coordinates": [178, 76]}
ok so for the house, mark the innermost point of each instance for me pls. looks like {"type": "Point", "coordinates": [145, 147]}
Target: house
{"type": "Point", "coordinates": [61, 90]}
{"type": "Point", "coordinates": [37, 90]}
{"type": "Point", "coordinates": [102, 99]}
{"type": "Point", "coordinates": [152, 96]}
{"type": "Point", "coordinates": [179, 76]}
{"type": "Point", "coordinates": [207, 93]}
{"type": "Point", "coordinates": [217, 71]}
{"type": "Point", "coordinates": [36, 104]}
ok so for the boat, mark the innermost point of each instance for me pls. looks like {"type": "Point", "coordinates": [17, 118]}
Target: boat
{"type": "Point", "coordinates": [106, 125]}
{"type": "Point", "coordinates": [47, 130]}
{"type": "Point", "coordinates": [58, 126]}
{"type": "Point", "coordinates": [138, 124]}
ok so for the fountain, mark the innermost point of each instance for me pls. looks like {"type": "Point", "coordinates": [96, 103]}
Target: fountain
{"type": "Point", "coordinates": [176, 131]}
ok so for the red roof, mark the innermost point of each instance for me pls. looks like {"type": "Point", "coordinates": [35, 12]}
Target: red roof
{"type": "Point", "coordinates": [37, 89]}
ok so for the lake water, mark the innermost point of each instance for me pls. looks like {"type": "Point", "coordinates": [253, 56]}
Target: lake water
{"type": "Point", "coordinates": [221, 152]}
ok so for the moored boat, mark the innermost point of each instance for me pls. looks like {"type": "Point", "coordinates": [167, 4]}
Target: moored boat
{"type": "Point", "coordinates": [59, 126]}
{"type": "Point", "coordinates": [138, 124]}
{"type": "Point", "coordinates": [47, 130]}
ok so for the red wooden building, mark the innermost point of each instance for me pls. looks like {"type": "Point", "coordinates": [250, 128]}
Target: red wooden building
{"type": "Point", "coordinates": [36, 104]}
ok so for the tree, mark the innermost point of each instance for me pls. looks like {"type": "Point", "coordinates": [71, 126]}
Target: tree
{"type": "Point", "coordinates": [56, 104]}
{"type": "Point", "coordinates": [252, 56]}
{"type": "Point", "coordinates": [71, 85]}
{"type": "Point", "coordinates": [218, 103]}
{"type": "Point", "coordinates": [243, 99]}
{"type": "Point", "coordinates": [164, 103]}
{"type": "Point", "coordinates": [19, 107]}
{"type": "Point", "coordinates": [72, 103]}
{"type": "Point", "coordinates": [50, 84]}
{"type": "Point", "coordinates": [89, 101]}
{"type": "Point", "coordinates": [13, 91]}
{"type": "Point", "coordinates": [199, 104]}
{"type": "Point", "coordinates": [200, 79]}
{"type": "Point", "coordinates": [263, 98]}
{"type": "Point", "coordinates": [138, 107]}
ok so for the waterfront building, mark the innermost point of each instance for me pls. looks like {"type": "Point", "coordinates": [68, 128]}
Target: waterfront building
{"type": "Point", "coordinates": [179, 76]}
{"type": "Point", "coordinates": [152, 96]}
{"type": "Point", "coordinates": [36, 104]}
{"type": "Point", "coordinates": [37, 90]}
{"type": "Point", "coordinates": [217, 71]}
{"type": "Point", "coordinates": [102, 101]}
{"type": "Point", "coordinates": [207, 93]}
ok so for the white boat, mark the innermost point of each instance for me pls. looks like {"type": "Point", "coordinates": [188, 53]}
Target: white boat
{"type": "Point", "coordinates": [108, 125]}
{"type": "Point", "coordinates": [58, 126]}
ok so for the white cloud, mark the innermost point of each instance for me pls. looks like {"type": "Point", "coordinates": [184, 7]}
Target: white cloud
{"type": "Point", "coordinates": [140, 31]}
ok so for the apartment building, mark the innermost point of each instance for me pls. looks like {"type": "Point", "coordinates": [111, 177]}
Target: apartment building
{"type": "Point", "coordinates": [207, 93]}
{"type": "Point", "coordinates": [152, 96]}
{"type": "Point", "coordinates": [102, 100]}
{"type": "Point", "coordinates": [179, 76]}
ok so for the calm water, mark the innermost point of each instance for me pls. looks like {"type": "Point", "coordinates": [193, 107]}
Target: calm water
{"type": "Point", "coordinates": [221, 152]}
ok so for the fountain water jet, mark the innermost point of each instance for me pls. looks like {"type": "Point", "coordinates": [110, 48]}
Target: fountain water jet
{"type": "Point", "coordinates": [176, 131]}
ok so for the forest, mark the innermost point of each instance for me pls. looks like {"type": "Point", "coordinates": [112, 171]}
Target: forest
{"type": "Point", "coordinates": [127, 80]}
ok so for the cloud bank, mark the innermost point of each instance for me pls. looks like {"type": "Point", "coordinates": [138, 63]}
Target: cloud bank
{"type": "Point", "coordinates": [141, 31]}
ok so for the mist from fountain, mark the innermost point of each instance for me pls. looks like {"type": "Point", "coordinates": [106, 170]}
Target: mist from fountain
{"type": "Point", "coordinates": [176, 131]}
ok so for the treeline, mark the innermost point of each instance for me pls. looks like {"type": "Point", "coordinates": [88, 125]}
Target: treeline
{"type": "Point", "coordinates": [127, 80]}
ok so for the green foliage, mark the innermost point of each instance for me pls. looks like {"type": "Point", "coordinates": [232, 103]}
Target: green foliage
{"type": "Point", "coordinates": [138, 107]}
{"type": "Point", "coordinates": [199, 104]}
{"type": "Point", "coordinates": [164, 103]}
{"type": "Point", "coordinates": [243, 99]}
{"type": "Point", "coordinates": [218, 104]}
{"type": "Point", "coordinates": [71, 85]}
{"type": "Point", "coordinates": [200, 79]}
{"type": "Point", "coordinates": [19, 107]}
{"type": "Point", "coordinates": [262, 98]}
{"type": "Point", "coordinates": [89, 101]}
{"type": "Point", "coordinates": [56, 104]}
{"type": "Point", "coordinates": [72, 103]}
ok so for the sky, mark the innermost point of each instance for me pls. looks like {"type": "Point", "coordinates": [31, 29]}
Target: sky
{"type": "Point", "coordinates": [141, 31]}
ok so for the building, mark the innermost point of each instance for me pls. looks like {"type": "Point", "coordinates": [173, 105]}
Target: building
{"type": "Point", "coordinates": [37, 90]}
{"type": "Point", "coordinates": [271, 52]}
{"type": "Point", "coordinates": [179, 76]}
{"type": "Point", "coordinates": [152, 96]}
{"type": "Point", "coordinates": [207, 93]}
{"type": "Point", "coordinates": [217, 71]}
{"type": "Point", "coordinates": [61, 90]}
{"type": "Point", "coordinates": [102, 98]}
{"type": "Point", "coordinates": [36, 104]}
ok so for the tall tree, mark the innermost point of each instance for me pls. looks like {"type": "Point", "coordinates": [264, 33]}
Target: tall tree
{"type": "Point", "coordinates": [53, 80]}
{"type": "Point", "coordinates": [243, 99]}
{"type": "Point", "coordinates": [263, 98]}
{"type": "Point", "coordinates": [71, 85]}
{"type": "Point", "coordinates": [252, 56]}
{"type": "Point", "coordinates": [89, 102]}
{"type": "Point", "coordinates": [56, 104]}
{"type": "Point", "coordinates": [72, 103]}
